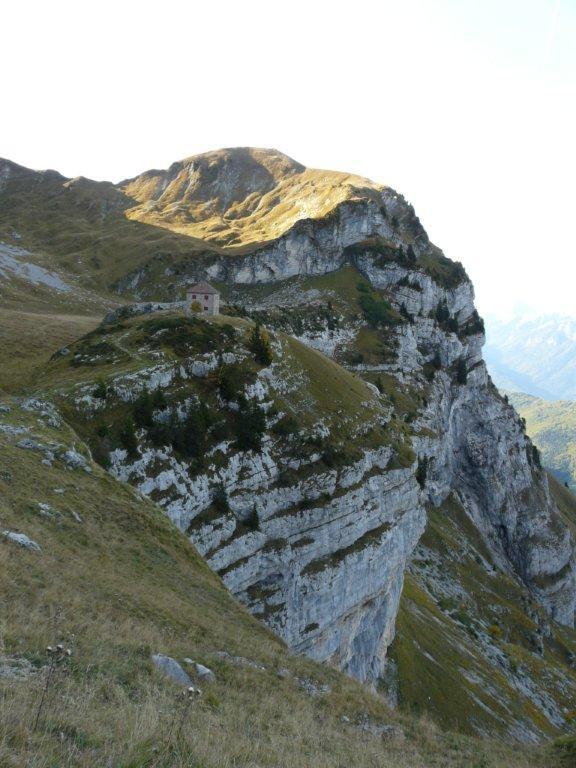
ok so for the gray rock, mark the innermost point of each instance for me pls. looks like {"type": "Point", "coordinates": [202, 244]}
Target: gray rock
{"type": "Point", "coordinates": [241, 661]}
{"type": "Point", "coordinates": [170, 668]}
{"type": "Point", "coordinates": [8, 429]}
{"type": "Point", "coordinates": [15, 668]}
{"type": "Point", "coordinates": [30, 445]}
{"type": "Point", "coordinates": [22, 540]}
{"type": "Point", "coordinates": [75, 460]}
{"type": "Point", "coordinates": [202, 672]}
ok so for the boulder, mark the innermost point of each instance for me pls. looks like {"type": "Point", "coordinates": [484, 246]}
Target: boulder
{"type": "Point", "coordinates": [170, 668]}
{"type": "Point", "coordinates": [22, 540]}
{"type": "Point", "coordinates": [202, 672]}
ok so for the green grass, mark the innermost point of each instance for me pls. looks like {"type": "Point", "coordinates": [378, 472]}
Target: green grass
{"type": "Point", "coordinates": [123, 584]}
{"type": "Point", "coordinates": [28, 339]}
{"type": "Point", "coordinates": [552, 427]}
{"type": "Point", "coordinates": [442, 668]}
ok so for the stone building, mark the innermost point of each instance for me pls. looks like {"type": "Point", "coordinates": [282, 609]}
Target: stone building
{"type": "Point", "coordinates": [203, 299]}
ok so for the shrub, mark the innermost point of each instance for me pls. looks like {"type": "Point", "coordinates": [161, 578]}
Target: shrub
{"type": "Point", "coordinates": [158, 400]}
{"type": "Point", "coordinates": [377, 311]}
{"type": "Point", "coordinates": [461, 371]}
{"type": "Point", "coordinates": [253, 521]}
{"type": "Point", "coordinates": [250, 427]}
{"type": "Point", "coordinates": [229, 382]}
{"type": "Point", "coordinates": [259, 345]}
{"type": "Point", "coordinates": [422, 471]}
{"type": "Point", "coordinates": [190, 437]}
{"type": "Point", "coordinates": [142, 409]}
{"type": "Point", "coordinates": [101, 390]}
{"type": "Point", "coordinates": [160, 434]}
{"type": "Point", "coordinates": [220, 499]}
{"type": "Point", "coordinates": [128, 437]}
{"type": "Point", "coordinates": [287, 425]}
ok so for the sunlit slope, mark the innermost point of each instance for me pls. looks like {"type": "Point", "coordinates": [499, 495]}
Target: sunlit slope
{"type": "Point", "coordinates": [79, 226]}
{"type": "Point", "coordinates": [238, 197]}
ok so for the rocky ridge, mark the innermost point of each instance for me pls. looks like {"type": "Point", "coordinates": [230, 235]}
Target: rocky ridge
{"type": "Point", "coordinates": [313, 529]}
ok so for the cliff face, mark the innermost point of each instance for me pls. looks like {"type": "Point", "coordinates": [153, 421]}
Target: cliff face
{"type": "Point", "coordinates": [479, 449]}
{"type": "Point", "coordinates": [313, 530]}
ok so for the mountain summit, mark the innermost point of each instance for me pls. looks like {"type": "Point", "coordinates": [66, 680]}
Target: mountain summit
{"type": "Point", "coordinates": [330, 442]}
{"type": "Point", "coordinates": [235, 197]}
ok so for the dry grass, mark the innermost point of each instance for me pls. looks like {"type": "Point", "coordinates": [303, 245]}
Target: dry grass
{"type": "Point", "coordinates": [124, 584]}
{"type": "Point", "coordinates": [28, 339]}
{"type": "Point", "coordinates": [196, 209]}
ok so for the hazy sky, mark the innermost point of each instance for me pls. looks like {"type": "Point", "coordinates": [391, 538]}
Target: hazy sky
{"type": "Point", "coordinates": [468, 108]}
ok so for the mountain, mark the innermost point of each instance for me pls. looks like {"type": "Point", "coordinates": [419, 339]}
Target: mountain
{"type": "Point", "coordinates": [331, 445]}
{"type": "Point", "coordinates": [536, 355]}
{"type": "Point", "coordinates": [552, 426]}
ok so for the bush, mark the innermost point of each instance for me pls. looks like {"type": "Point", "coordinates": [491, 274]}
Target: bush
{"type": "Point", "coordinates": [142, 409]}
{"type": "Point", "coordinates": [461, 371]}
{"type": "Point", "coordinates": [190, 436]}
{"type": "Point", "coordinates": [128, 437]}
{"type": "Point", "coordinates": [101, 390]}
{"type": "Point", "coordinates": [377, 311]}
{"type": "Point", "coordinates": [287, 425]}
{"type": "Point", "coordinates": [422, 471]}
{"type": "Point", "coordinates": [229, 382]}
{"type": "Point", "coordinates": [259, 345]}
{"type": "Point", "coordinates": [158, 400]}
{"type": "Point", "coordinates": [250, 427]}
{"type": "Point", "coordinates": [220, 500]}
{"type": "Point", "coordinates": [253, 521]}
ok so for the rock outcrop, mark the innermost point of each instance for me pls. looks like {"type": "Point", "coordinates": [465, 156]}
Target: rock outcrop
{"type": "Point", "coordinates": [318, 551]}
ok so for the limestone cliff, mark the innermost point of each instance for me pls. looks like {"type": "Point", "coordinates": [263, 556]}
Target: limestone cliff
{"type": "Point", "coordinates": [313, 528]}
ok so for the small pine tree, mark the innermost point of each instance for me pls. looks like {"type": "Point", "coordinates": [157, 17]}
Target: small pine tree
{"type": "Point", "coordinates": [461, 371]}
{"type": "Point", "coordinates": [250, 427]}
{"type": "Point", "coordinates": [128, 437]}
{"type": "Point", "coordinates": [159, 400]}
{"type": "Point", "coordinates": [143, 409]}
{"type": "Point", "coordinates": [220, 499]}
{"type": "Point", "coordinates": [253, 521]}
{"type": "Point", "coordinates": [422, 471]}
{"type": "Point", "coordinates": [259, 345]}
{"type": "Point", "coordinates": [101, 390]}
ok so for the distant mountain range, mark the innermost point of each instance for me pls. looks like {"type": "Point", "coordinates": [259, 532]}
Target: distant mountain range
{"type": "Point", "coordinates": [536, 355]}
{"type": "Point", "coordinates": [552, 427]}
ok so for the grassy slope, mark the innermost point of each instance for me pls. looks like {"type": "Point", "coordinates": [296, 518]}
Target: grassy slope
{"type": "Point", "coordinates": [212, 197]}
{"type": "Point", "coordinates": [28, 339]}
{"type": "Point", "coordinates": [122, 584]}
{"type": "Point", "coordinates": [465, 636]}
{"type": "Point", "coordinates": [552, 427]}
{"type": "Point", "coordinates": [80, 226]}
{"type": "Point", "coordinates": [309, 386]}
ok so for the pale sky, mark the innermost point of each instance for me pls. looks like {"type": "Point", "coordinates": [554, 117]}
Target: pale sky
{"type": "Point", "coordinates": [466, 107]}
